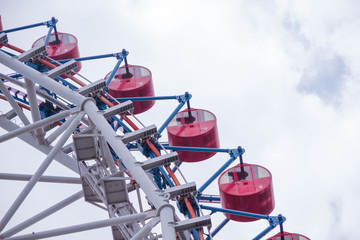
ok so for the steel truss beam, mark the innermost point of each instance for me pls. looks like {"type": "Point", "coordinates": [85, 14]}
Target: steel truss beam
{"type": "Point", "coordinates": [35, 178]}
{"type": "Point", "coordinates": [165, 210]}
{"type": "Point", "coordinates": [82, 227]}
{"type": "Point", "coordinates": [50, 179]}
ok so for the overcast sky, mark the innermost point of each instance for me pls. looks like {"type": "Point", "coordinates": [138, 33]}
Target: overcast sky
{"type": "Point", "coordinates": [282, 77]}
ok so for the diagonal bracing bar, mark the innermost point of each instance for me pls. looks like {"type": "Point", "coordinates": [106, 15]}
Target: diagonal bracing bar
{"type": "Point", "coordinates": [34, 125]}
{"type": "Point", "coordinates": [50, 179]}
{"type": "Point", "coordinates": [35, 112]}
{"type": "Point", "coordinates": [38, 217]}
{"type": "Point", "coordinates": [82, 227]}
{"type": "Point", "coordinates": [13, 104]}
{"type": "Point", "coordinates": [35, 178]}
{"type": "Point", "coordinates": [64, 159]}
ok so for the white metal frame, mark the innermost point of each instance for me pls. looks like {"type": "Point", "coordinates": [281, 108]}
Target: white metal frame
{"type": "Point", "coordinates": [123, 217]}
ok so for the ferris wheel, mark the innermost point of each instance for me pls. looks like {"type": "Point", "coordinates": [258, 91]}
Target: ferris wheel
{"type": "Point", "coordinates": [91, 128]}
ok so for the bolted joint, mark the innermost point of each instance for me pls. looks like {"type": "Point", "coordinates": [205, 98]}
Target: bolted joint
{"type": "Point", "coordinates": [118, 55]}
{"type": "Point", "coordinates": [184, 98]}
{"type": "Point", "coordinates": [121, 55]}
{"type": "Point", "coordinates": [51, 22]}
{"type": "Point", "coordinates": [124, 53]}
{"type": "Point", "coordinates": [276, 220]}
{"type": "Point", "coordinates": [281, 218]}
{"type": "Point", "coordinates": [234, 153]}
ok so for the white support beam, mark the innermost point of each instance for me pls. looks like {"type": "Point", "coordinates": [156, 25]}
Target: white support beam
{"type": "Point", "coordinates": [50, 179]}
{"type": "Point", "coordinates": [146, 229]}
{"type": "Point", "coordinates": [38, 217]}
{"type": "Point", "coordinates": [54, 135]}
{"type": "Point", "coordinates": [28, 138]}
{"type": "Point", "coordinates": [106, 154]}
{"type": "Point", "coordinates": [82, 227]}
{"type": "Point", "coordinates": [35, 112]}
{"type": "Point", "coordinates": [41, 92]}
{"type": "Point", "coordinates": [34, 125]}
{"type": "Point", "coordinates": [41, 79]}
{"type": "Point", "coordinates": [35, 178]}
{"type": "Point", "coordinates": [10, 114]}
{"type": "Point", "coordinates": [14, 104]}
{"type": "Point", "coordinates": [166, 210]}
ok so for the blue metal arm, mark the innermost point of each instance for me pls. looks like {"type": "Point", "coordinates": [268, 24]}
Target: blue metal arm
{"type": "Point", "coordinates": [121, 56]}
{"type": "Point", "coordinates": [126, 128]}
{"type": "Point", "coordinates": [274, 221]}
{"type": "Point", "coordinates": [209, 198]}
{"type": "Point", "coordinates": [90, 57]}
{"type": "Point", "coordinates": [134, 99]}
{"type": "Point", "coordinates": [48, 24]}
{"type": "Point", "coordinates": [218, 228]}
{"type": "Point", "coordinates": [177, 166]}
{"type": "Point", "coordinates": [51, 25]}
{"type": "Point", "coordinates": [195, 149]}
{"type": "Point", "coordinates": [48, 35]}
{"type": "Point", "coordinates": [182, 100]}
{"type": "Point", "coordinates": [263, 233]}
{"type": "Point", "coordinates": [234, 153]}
{"type": "Point", "coordinates": [241, 213]}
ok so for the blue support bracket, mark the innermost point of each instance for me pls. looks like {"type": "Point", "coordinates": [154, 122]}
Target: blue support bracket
{"type": "Point", "coordinates": [209, 198]}
{"type": "Point", "coordinates": [195, 149]}
{"type": "Point", "coordinates": [120, 57]}
{"type": "Point", "coordinates": [116, 55]}
{"type": "Point", "coordinates": [166, 176]}
{"type": "Point", "coordinates": [51, 25]}
{"type": "Point", "coordinates": [47, 23]}
{"type": "Point", "coordinates": [135, 99]}
{"type": "Point", "coordinates": [10, 54]}
{"type": "Point", "coordinates": [52, 22]}
{"type": "Point", "coordinates": [241, 213]}
{"type": "Point", "coordinates": [126, 128]}
{"type": "Point", "coordinates": [218, 228]}
{"type": "Point", "coordinates": [274, 222]}
{"type": "Point", "coordinates": [177, 166]}
{"type": "Point", "coordinates": [234, 153]}
{"type": "Point", "coordinates": [65, 83]}
{"type": "Point", "coordinates": [193, 230]}
{"type": "Point", "coordinates": [163, 172]}
{"type": "Point", "coordinates": [182, 100]}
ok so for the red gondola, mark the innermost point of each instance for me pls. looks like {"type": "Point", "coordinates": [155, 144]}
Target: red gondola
{"type": "Point", "coordinates": [194, 128]}
{"type": "Point", "coordinates": [133, 81]}
{"type": "Point", "coordinates": [61, 46]}
{"type": "Point", "coordinates": [246, 188]}
{"type": "Point", "coordinates": [288, 236]}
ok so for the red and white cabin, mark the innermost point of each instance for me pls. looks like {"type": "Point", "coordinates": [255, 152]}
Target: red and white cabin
{"type": "Point", "coordinates": [246, 188]}
{"type": "Point", "coordinates": [137, 82]}
{"type": "Point", "coordinates": [193, 128]}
